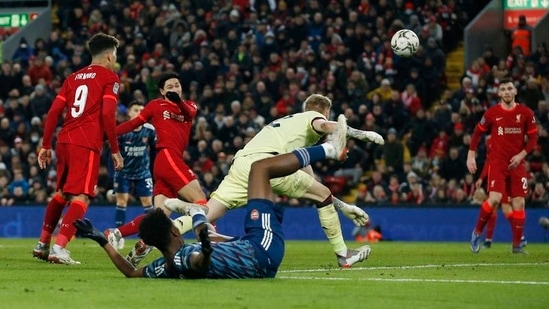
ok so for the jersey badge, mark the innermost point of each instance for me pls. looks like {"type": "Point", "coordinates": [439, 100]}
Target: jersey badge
{"type": "Point", "coordinates": [254, 214]}
{"type": "Point", "coordinates": [518, 118]}
{"type": "Point", "coordinates": [115, 88]}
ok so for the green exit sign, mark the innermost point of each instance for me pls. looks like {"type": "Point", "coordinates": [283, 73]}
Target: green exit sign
{"type": "Point", "coordinates": [526, 4]}
{"type": "Point", "coordinates": [14, 20]}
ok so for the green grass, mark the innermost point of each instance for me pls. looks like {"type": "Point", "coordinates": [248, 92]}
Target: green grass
{"type": "Point", "coordinates": [397, 275]}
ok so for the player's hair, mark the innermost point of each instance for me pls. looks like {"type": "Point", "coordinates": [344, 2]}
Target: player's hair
{"type": "Point", "coordinates": [134, 102]}
{"type": "Point", "coordinates": [101, 42]}
{"type": "Point", "coordinates": [506, 80]}
{"type": "Point", "coordinates": [164, 77]}
{"type": "Point", "coordinates": [317, 102]}
{"type": "Point", "coordinates": [155, 229]}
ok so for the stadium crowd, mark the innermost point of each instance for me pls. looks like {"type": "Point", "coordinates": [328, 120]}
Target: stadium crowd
{"type": "Point", "coordinates": [248, 62]}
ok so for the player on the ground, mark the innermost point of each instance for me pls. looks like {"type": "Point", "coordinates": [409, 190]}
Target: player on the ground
{"type": "Point", "coordinates": [283, 136]}
{"type": "Point", "coordinates": [508, 123]}
{"type": "Point", "coordinates": [89, 97]}
{"type": "Point", "coordinates": [172, 118]}
{"type": "Point", "coordinates": [135, 147]}
{"type": "Point", "coordinates": [258, 254]}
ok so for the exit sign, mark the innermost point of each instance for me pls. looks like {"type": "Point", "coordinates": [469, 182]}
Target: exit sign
{"type": "Point", "coordinates": [16, 20]}
{"type": "Point", "coordinates": [525, 4]}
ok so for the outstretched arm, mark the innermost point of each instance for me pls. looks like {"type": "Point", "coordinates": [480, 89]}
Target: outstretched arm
{"type": "Point", "coordinates": [84, 228]}
{"type": "Point", "coordinates": [328, 127]}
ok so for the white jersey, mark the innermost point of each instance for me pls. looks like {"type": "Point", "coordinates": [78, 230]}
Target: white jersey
{"type": "Point", "coordinates": [285, 134]}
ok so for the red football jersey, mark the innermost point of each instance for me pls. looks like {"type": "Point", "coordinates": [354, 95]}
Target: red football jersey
{"type": "Point", "coordinates": [172, 127]}
{"type": "Point", "coordinates": [90, 97]}
{"type": "Point", "coordinates": [507, 129]}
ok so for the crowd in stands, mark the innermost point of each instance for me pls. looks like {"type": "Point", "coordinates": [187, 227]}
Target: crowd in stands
{"type": "Point", "coordinates": [248, 62]}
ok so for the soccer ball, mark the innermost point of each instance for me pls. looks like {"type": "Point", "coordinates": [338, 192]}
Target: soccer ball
{"type": "Point", "coordinates": [405, 43]}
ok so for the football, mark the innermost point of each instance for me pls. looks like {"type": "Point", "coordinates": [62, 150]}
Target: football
{"type": "Point", "coordinates": [405, 43]}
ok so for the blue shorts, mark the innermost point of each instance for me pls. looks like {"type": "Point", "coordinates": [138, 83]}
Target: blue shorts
{"type": "Point", "coordinates": [263, 226]}
{"type": "Point", "coordinates": [141, 187]}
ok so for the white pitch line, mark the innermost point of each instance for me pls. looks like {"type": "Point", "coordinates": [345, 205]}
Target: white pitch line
{"type": "Point", "coordinates": [418, 280]}
{"type": "Point", "coordinates": [411, 267]}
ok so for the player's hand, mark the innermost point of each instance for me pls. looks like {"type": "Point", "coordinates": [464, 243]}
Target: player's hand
{"type": "Point", "coordinates": [84, 228]}
{"type": "Point", "coordinates": [205, 241]}
{"type": "Point", "coordinates": [118, 161]}
{"type": "Point", "coordinates": [173, 96]}
{"type": "Point", "coordinates": [515, 161]}
{"type": "Point", "coordinates": [356, 214]}
{"type": "Point", "coordinates": [44, 158]}
{"type": "Point", "coordinates": [471, 163]}
{"type": "Point", "coordinates": [478, 183]}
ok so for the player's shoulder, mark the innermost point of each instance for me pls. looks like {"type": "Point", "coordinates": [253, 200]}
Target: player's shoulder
{"type": "Point", "coordinates": [525, 109]}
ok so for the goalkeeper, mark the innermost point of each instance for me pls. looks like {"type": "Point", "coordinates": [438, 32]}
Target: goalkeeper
{"type": "Point", "coordinates": [258, 254]}
{"type": "Point", "coordinates": [284, 136]}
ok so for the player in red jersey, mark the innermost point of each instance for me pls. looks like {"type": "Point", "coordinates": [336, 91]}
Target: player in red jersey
{"type": "Point", "coordinates": [172, 119]}
{"type": "Point", "coordinates": [507, 123]}
{"type": "Point", "coordinates": [89, 96]}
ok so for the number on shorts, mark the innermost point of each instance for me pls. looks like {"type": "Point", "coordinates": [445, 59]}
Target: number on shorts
{"type": "Point", "coordinates": [524, 183]}
{"type": "Point", "coordinates": [80, 98]}
{"type": "Point", "coordinates": [149, 183]}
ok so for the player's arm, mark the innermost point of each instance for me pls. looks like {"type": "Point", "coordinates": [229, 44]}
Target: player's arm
{"type": "Point", "coordinates": [108, 113]}
{"type": "Point", "coordinates": [187, 107]}
{"type": "Point", "coordinates": [200, 261]}
{"type": "Point", "coordinates": [532, 140]}
{"type": "Point", "coordinates": [54, 113]}
{"type": "Point", "coordinates": [480, 129]}
{"type": "Point", "coordinates": [84, 228]}
{"type": "Point", "coordinates": [130, 125]}
{"type": "Point", "coordinates": [324, 126]}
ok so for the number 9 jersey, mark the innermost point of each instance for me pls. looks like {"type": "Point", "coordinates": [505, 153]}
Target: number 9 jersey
{"type": "Point", "coordinates": [89, 97]}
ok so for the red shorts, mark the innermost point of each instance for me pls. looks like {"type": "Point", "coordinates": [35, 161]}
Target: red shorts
{"type": "Point", "coordinates": [513, 183]}
{"type": "Point", "coordinates": [77, 169]}
{"type": "Point", "coordinates": [170, 174]}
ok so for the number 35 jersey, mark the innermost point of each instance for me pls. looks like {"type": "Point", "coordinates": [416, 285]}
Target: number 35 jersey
{"type": "Point", "coordinates": [84, 93]}
{"type": "Point", "coordinates": [285, 134]}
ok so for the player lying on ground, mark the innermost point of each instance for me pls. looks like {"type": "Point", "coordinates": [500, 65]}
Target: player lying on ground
{"type": "Point", "coordinates": [257, 254]}
{"type": "Point", "coordinates": [285, 135]}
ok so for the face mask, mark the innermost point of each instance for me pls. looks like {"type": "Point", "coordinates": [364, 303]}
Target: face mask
{"type": "Point", "coordinates": [35, 138]}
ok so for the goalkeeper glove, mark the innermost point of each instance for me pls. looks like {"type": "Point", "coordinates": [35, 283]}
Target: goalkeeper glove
{"type": "Point", "coordinates": [84, 228]}
{"type": "Point", "coordinates": [365, 135]}
{"type": "Point", "coordinates": [173, 96]}
{"type": "Point", "coordinates": [205, 240]}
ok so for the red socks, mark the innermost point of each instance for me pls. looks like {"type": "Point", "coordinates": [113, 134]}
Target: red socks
{"type": "Point", "coordinates": [132, 227]}
{"type": "Point", "coordinates": [490, 226]}
{"type": "Point", "coordinates": [486, 212]}
{"type": "Point", "coordinates": [517, 226]}
{"type": "Point", "coordinates": [77, 209]}
{"type": "Point", "coordinates": [51, 217]}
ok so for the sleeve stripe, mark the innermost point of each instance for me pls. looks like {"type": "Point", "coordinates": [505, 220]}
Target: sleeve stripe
{"type": "Point", "coordinates": [534, 130]}
{"type": "Point", "coordinates": [110, 96]}
{"type": "Point", "coordinates": [61, 98]}
{"type": "Point", "coordinates": [482, 128]}
{"type": "Point", "coordinates": [142, 118]}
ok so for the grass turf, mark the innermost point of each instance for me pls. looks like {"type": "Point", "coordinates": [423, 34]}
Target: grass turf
{"type": "Point", "coordinates": [397, 275]}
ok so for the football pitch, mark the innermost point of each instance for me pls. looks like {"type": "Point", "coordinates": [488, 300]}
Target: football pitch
{"type": "Point", "coordinates": [397, 275]}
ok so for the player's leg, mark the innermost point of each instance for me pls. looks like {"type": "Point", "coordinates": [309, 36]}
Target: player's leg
{"type": "Point", "coordinates": [496, 179]}
{"type": "Point", "coordinates": [490, 226]}
{"type": "Point", "coordinates": [81, 181]}
{"type": "Point", "coordinates": [144, 190]}
{"type": "Point", "coordinates": [55, 206]}
{"type": "Point", "coordinates": [53, 212]}
{"type": "Point", "coordinates": [518, 219]}
{"type": "Point", "coordinates": [121, 190]}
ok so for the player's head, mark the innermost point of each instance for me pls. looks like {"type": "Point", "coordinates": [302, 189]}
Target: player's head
{"type": "Point", "coordinates": [103, 48]}
{"type": "Point", "coordinates": [507, 90]}
{"type": "Point", "coordinates": [134, 109]}
{"type": "Point", "coordinates": [169, 82]}
{"type": "Point", "coordinates": [156, 229]}
{"type": "Point", "coordinates": [319, 103]}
